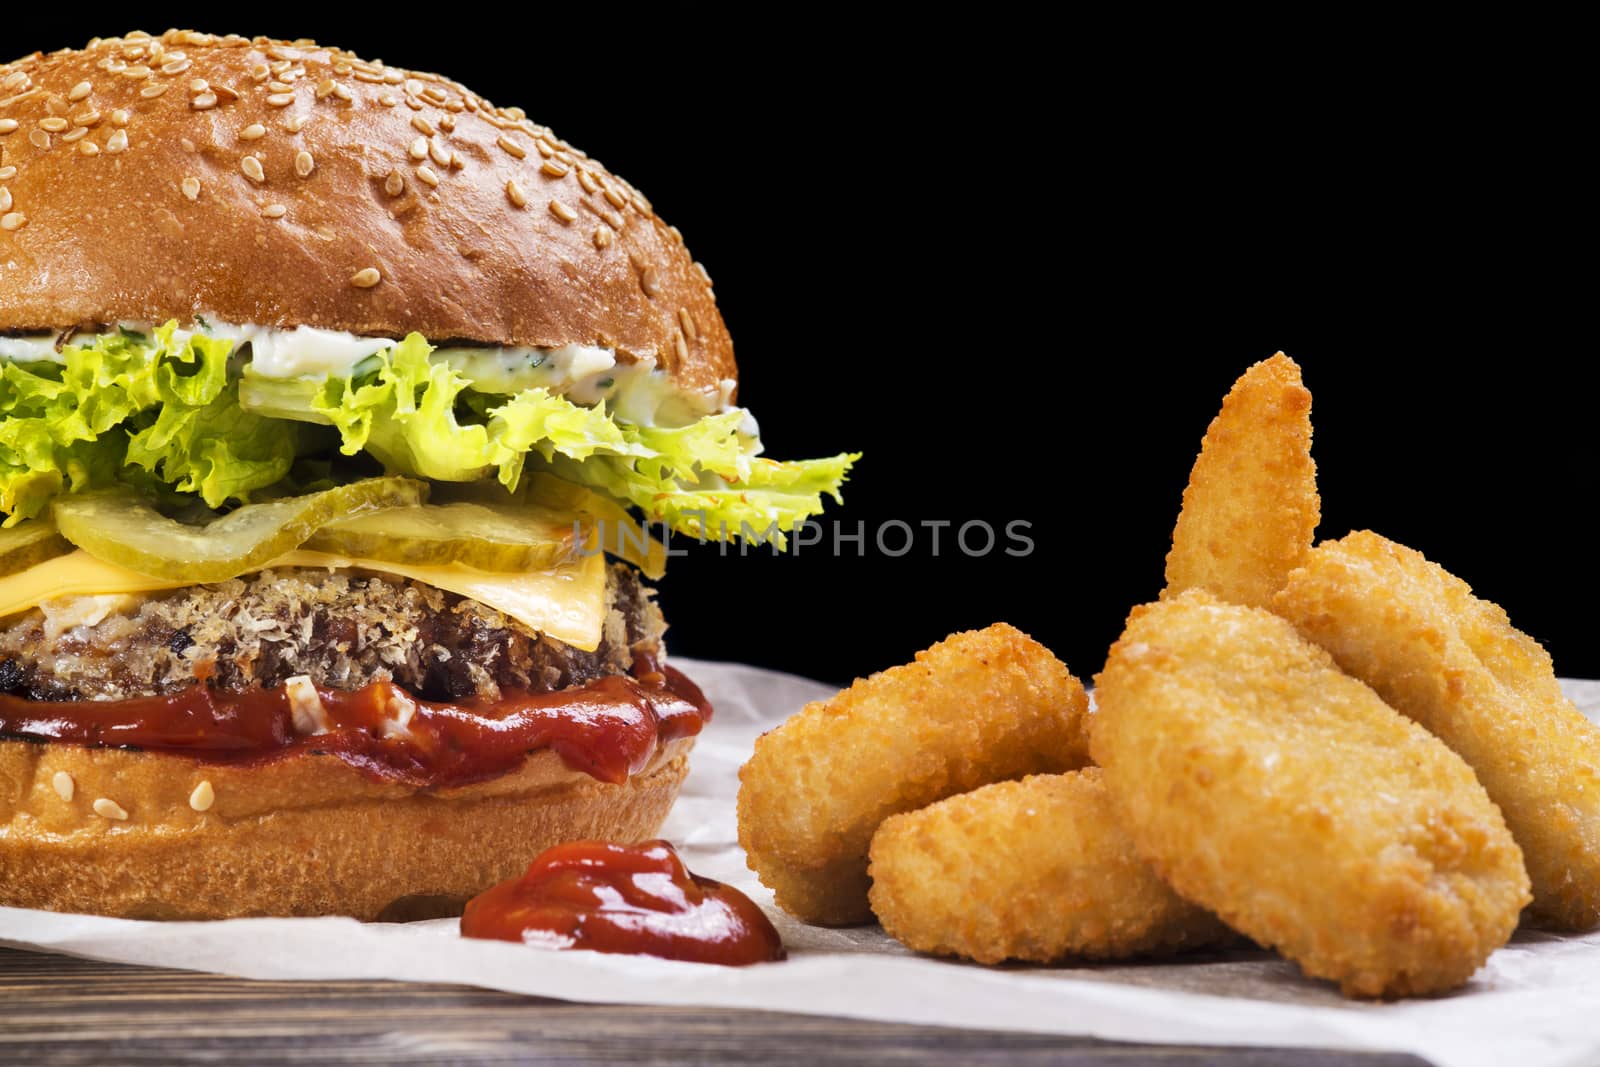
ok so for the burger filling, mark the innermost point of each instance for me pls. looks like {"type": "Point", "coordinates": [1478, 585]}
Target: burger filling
{"type": "Point", "coordinates": [237, 542]}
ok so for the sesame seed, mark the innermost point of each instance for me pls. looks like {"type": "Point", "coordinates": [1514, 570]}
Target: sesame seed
{"type": "Point", "coordinates": [86, 118]}
{"type": "Point", "coordinates": [204, 102]}
{"type": "Point", "coordinates": [447, 123]}
{"type": "Point", "coordinates": [5, 200]}
{"type": "Point", "coordinates": [681, 346]}
{"type": "Point", "coordinates": [279, 87]}
{"type": "Point", "coordinates": [602, 237]}
{"type": "Point", "coordinates": [8, 125]}
{"type": "Point", "coordinates": [342, 93]}
{"type": "Point", "coordinates": [511, 147]}
{"type": "Point", "coordinates": [586, 180]}
{"type": "Point", "coordinates": [119, 117]}
{"type": "Point", "coordinates": [224, 94]}
{"type": "Point", "coordinates": [79, 91]}
{"type": "Point", "coordinates": [614, 198]}
{"type": "Point", "coordinates": [13, 220]}
{"type": "Point", "coordinates": [260, 72]}
{"type": "Point", "coordinates": [426, 174]}
{"type": "Point", "coordinates": [394, 184]}
{"type": "Point", "coordinates": [648, 281]}
{"type": "Point", "coordinates": [440, 156]}
{"type": "Point", "coordinates": [153, 90]}
{"type": "Point", "coordinates": [304, 164]}
{"type": "Point", "coordinates": [54, 125]}
{"type": "Point", "coordinates": [419, 148]}
{"type": "Point", "coordinates": [77, 133]}
{"type": "Point", "coordinates": [253, 132]}
{"type": "Point", "coordinates": [175, 66]}
{"type": "Point", "coordinates": [562, 211]}
{"type": "Point", "coordinates": [387, 99]}
{"type": "Point", "coordinates": [686, 320]}
{"type": "Point", "coordinates": [109, 809]}
{"type": "Point", "coordinates": [366, 278]}
{"type": "Point", "coordinates": [342, 67]}
{"type": "Point", "coordinates": [280, 99]}
{"type": "Point", "coordinates": [369, 76]}
{"type": "Point", "coordinates": [704, 274]}
{"type": "Point", "coordinates": [422, 125]}
{"type": "Point", "coordinates": [39, 139]}
{"type": "Point", "coordinates": [191, 187]}
{"type": "Point", "coordinates": [14, 79]}
{"type": "Point", "coordinates": [118, 141]}
{"type": "Point", "coordinates": [544, 150]}
{"type": "Point", "coordinates": [252, 169]}
{"type": "Point", "coordinates": [554, 169]}
{"type": "Point", "coordinates": [7, 173]}
{"type": "Point", "coordinates": [612, 219]}
{"type": "Point", "coordinates": [456, 162]}
{"type": "Point", "coordinates": [63, 784]}
{"type": "Point", "coordinates": [274, 211]}
{"type": "Point", "coordinates": [199, 85]}
{"type": "Point", "coordinates": [203, 797]}
{"type": "Point", "coordinates": [294, 123]}
{"type": "Point", "coordinates": [88, 147]}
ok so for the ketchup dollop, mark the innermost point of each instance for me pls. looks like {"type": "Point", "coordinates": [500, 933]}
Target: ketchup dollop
{"type": "Point", "coordinates": [634, 899]}
{"type": "Point", "coordinates": [609, 729]}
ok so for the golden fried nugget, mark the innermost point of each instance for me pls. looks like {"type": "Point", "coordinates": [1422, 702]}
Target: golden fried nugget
{"type": "Point", "coordinates": [1289, 799]}
{"type": "Point", "coordinates": [1251, 506]}
{"type": "Point", "coordinates": [977, 707]}
{"type": "Point", "coordinates": [1454, 663]}
{"type": "Point", "coordinates": [1032, 870]}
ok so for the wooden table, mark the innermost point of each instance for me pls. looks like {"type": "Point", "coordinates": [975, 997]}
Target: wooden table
{"type": "Point", "coordinates": [56, 1009]}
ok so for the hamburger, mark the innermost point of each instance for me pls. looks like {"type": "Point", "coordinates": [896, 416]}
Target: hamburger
{"type": "Point", "coordinates": [342, 417]}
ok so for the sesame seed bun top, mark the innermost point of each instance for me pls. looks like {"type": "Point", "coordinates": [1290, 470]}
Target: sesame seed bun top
{"type": "Point", "coordinates": [289, 184]}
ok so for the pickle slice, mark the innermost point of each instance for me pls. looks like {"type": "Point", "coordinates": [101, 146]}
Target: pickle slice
{"type": "Point", "coordinates": [502, 539]}
{"type": "Point", "coordinates": [122, 528]}
{"type": "Point", "coordinates": [29, 542]}
{"type": "Point", "coordinates": [605, 521]}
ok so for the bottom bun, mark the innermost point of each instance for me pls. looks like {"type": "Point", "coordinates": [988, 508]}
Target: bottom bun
{"type": "Point", "coordinates": [299, 835]}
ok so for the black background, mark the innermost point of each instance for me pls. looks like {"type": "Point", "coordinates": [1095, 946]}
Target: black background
{"type": "Point", "coordinates": [1020, 273]}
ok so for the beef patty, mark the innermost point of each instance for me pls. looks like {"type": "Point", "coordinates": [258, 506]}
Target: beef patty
{"type": "Point", "coordinates": [344, 629]}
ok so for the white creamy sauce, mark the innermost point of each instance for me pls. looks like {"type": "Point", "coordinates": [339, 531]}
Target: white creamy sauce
{"type": "Point", "coordinates": [585, 374]}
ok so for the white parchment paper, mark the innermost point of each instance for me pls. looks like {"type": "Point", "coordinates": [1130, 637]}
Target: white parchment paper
{"type": "Point", "coordinates": [1533, 1004]}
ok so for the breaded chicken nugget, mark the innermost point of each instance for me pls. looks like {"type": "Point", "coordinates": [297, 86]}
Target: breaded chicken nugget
{"type": "Point", "coordinates": [1455, 664]}
{"type": "Point", "coordinates": [1251, 506]}
{"type": "Point", "coordinates": [977, 707]}
{"type": "Point", "coordinates": [1292, 802]}
{"type": "Point", "coordinates": [1032, 870]}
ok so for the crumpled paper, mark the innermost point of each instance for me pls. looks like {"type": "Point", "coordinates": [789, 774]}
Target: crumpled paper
{"type": "Point", "coordinates": [1532, 1004]}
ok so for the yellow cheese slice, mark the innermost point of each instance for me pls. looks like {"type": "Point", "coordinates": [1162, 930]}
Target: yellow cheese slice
{"type": "Point", "coordinates": [566, 602]}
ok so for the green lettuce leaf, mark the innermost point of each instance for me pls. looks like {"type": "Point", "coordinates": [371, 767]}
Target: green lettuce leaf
{"type": "Point", "coordinates": [166, 414]}
{"type": "Point", "coordinates": [423, 419]}
{"type": "Point", "coordinates": [162, 405]}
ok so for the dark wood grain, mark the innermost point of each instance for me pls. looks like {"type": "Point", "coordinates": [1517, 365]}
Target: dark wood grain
{"type": "Point", "coordinates": [57, 1009]}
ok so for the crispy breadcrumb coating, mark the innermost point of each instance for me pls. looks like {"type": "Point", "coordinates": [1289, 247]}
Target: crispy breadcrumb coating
{"type": "Point", "coordinates": [978, 707]}
{"type": "Point", "coordinates": [1251, 507]}
{"type": "Point", "coordinates": [1034, 870]}
{"type": "Point", "coordinates": [1287, 798]}
{"type": "Point", "coordinates": [1455, 664]}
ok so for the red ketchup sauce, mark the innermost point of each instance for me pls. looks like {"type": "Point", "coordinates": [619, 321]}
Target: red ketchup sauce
{"type": "Point", "coordinates": [634, 899]}
{"type": "Point", "coordinates": [608, 729]}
